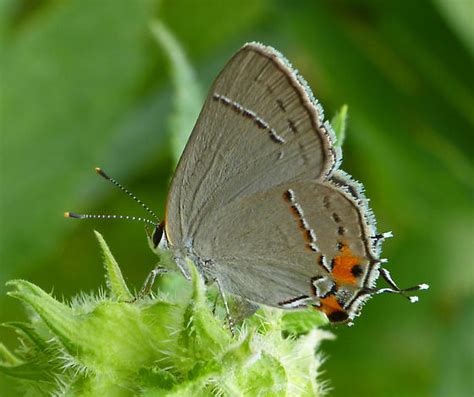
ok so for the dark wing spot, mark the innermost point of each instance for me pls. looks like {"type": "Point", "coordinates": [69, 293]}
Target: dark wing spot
{"type": "Point", "coordinates": [338, 316]}
{"type": "Point", "coordinates": [260, 124]}
{"type": "Point", "coordinates": [353, 191]}
{"type": "Point", "coordinates": [292, 300]}
{"type": "Point", "coordinates": [356, 270]}
{"type": "Point", "coordinates": [281, 105]}
{"type": "Point", "coordinates": [275, 138]}
{"type": "Point", "coordinates": [341, 230]}
{"type": "Point", "coordinates": [336, 218]}
{"type": "Point", "coordinates": [292, 126]}
{"type": "Point", "coordinates": [247, 114]}
{"type": "Point", "coordinates": [326, 202]}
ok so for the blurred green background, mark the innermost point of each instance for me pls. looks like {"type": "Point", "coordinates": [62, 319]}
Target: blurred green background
{"type": "Point", "coordinates": [84, 83]}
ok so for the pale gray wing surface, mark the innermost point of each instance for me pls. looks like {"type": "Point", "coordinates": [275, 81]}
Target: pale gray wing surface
{"type": "Point", "coordinates": [259, 127]}
{"type": "Point", "coordinates": [271, 247]}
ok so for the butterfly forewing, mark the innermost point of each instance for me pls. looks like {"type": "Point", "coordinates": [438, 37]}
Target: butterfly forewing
{"type": "Point", "coordinates": [258, 128]}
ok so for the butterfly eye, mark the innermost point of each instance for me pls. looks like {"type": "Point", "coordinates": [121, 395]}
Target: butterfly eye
{"type": "Point", "coordinates": [157, 234]}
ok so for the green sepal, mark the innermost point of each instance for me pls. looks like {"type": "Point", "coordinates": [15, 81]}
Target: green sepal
{"type": "Point", "coordinates": [300, 322]}
{"type": "Point", "coordinates": [36, 371]}
{"type": "Point", "coordinates": [200, 327]}
{"type": "Point", "coordinates": [339, 124]}
{"type": "Point", "coordinates": [7, 358]}
{"type": "Point", "coordinates": [113, 274]}
{"type": "Point", "coordinates": [29, 331]}
{"type": "Point", "coordinates": [58, 317]}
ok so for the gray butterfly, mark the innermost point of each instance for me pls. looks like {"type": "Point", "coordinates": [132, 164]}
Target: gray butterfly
{"type": "Point", "coordinates": [258, 203]}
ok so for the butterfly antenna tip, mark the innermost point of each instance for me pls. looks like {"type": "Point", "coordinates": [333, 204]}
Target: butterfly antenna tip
{"type": "Point", "coordinates": [68, 214]}
{"type": "Point", "coordinates": [101, 173]}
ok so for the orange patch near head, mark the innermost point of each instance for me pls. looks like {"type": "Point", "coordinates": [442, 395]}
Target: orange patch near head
{"type": "Point", "coordinates": [343, 264]}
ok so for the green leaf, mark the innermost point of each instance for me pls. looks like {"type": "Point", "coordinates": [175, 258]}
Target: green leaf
{"type": "Point", "coordinates": [459, 15]}
{"type": "Point", "coordinates": [188, 95]}
{"type": "Point", "coordinates": [7, 357]}
{"type": "Point", "coordinates": [268, 373]}
{"type": "Point", "coordinates": [70, 73]}
{"type": "Point", "coordinates": [115, 280]}
{"type": "Point", "coordinates": [339, 124]}
{"type": "Point", "coordinates": [32, 371]}
{"type": "Point", "coordinates": [201, 327]}
{"type": "Point", "coordinates": [56, 315]}
{"type": "Point", "coordinates": [302, 368]}
{"type": "Point", "coordinates": [301, 322]}
{"type": "Point", "coordinates": [29, 331]}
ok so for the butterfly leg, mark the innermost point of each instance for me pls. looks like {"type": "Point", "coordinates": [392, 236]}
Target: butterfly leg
{"type": "Point", "coordinates": [226, 306]}
{"type": "Point", "coordinates": [183, 267]}
{"type": "Point", "coordinates": [149, 282]}
{"type": "Point", "coordinates": [214, 305]}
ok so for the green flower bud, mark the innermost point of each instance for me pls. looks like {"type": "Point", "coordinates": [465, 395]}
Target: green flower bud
{"type": "Point", "coordinates": [115, 345]}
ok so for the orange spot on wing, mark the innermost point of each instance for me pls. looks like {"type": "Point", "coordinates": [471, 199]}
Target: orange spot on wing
{"type": "Point", "coordinates": [332, 309]}
{"type": "Point", "coordinates": [343, 264]}
{"type": "Point", "coordinates": [329, 305]}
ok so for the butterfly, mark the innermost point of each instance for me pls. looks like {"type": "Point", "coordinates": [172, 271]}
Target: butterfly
{"type": "Point", "coordinates": [258, 201]}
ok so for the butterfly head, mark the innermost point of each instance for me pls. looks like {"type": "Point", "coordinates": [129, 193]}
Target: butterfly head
{"type": "Point", "coordinates": [156, 237]}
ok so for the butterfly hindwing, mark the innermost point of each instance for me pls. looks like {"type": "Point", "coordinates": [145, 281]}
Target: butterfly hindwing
{"type": "Point", "coordinates": [271, 246]}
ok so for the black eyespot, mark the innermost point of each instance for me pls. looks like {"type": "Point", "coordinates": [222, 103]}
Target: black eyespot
{"type": "Point", "coordinates": [356, 270]}
{"type": "Point", "coordinates": [157, 235]}
{"type": "Point", "coordinates": [338, 316]}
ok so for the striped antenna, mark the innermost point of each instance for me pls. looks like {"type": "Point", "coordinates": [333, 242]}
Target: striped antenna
{"type": "Point", "coordinates": [124, 189]}
{"type": "Point", "coordinates": [97, 216]}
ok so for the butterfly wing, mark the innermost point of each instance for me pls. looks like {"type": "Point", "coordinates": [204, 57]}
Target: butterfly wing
{"type": "Point", "coordinates": [296, 240]}
{"type": "Point", "coordinates": [260, 126]}
{"type": "Point", "coordinates": [257, 200]}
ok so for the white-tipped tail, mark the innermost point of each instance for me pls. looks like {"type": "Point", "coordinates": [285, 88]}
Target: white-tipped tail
{"type": "Point", "coordinates": [413, 299]}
